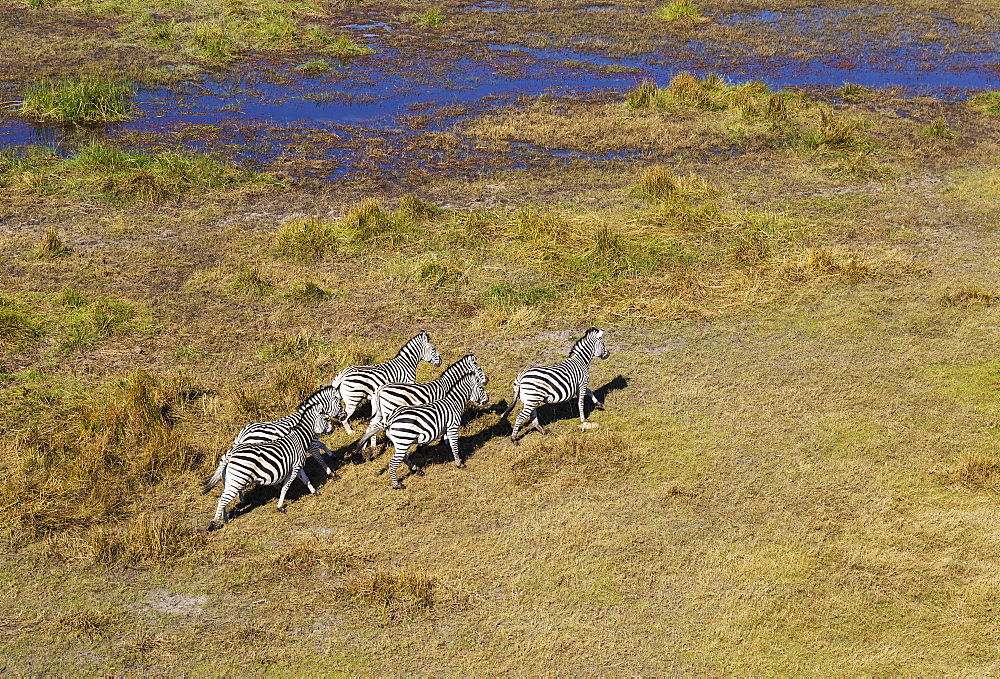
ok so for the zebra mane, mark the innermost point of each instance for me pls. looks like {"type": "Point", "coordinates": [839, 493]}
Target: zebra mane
{"type": "Point", "coordinates": [457, 365]}
{"type": "Point", "coordinates": [314, 399]}
{"type": "Point", "coordinates": [460, 380]}
{"type": "Point", "coordinates": [580, 343]}
{"type": "Point", "coordinates": [413, 343]}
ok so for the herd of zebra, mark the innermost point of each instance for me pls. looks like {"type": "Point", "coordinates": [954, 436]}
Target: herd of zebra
{"type": "Point", "coordinates": [405, 412]}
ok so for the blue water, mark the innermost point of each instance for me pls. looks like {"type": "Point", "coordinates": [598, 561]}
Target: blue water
{"type": "Point", "coordinates": [256, 118]}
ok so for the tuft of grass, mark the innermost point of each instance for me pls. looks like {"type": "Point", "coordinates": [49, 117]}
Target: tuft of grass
{"type": "Point", "coordinates": [251, 282]}
{"type": "Point", "coordinates": [309, 292]}
{"type": "Point", "coordinates": [979, 471]}
{"type": "Point", "coordinates": [573, 457]}
{"type": "Point", "coordinates": [437, 274]}
{"type": "Point", "coordinates": [88, 100]}
{"type": "Point", "coordinates": [146, 537]}
{"type": "Point", "coordinates": [504, 296]}
{"type": "Point", "coordinates": [369, 222]}
{"type": "Point", "coordinates": [643, 96]}
{"type": "Point", "coordinates": [345, 47]}
{"type": "Point", "coordinates": [969, 296]}
{"type": "Point", "coordinates": [431, 18]}
{"type": "Point", "coordinates": [680, 11]}
{"type": "Point", "coordinates": [854, 92]}
{"type": "Point", "coordinates": [615, 255]}
{"type": "Point", "coordinates": [987, 102]}
{"type": "Point", "coordinates": [392, 590]}
{"type": "Point", "coordinates": [939, 128]}
{"type": "Point", "coordinates": [834, 133]}
{"type": "Point", "coordinates": [415, 209]}
{"type": "Point", "coordinates": [71, 297]}
{"type": "Point", "coordinates": [97, 170]}
{"type": "Point", "coordinates": [18, 328]}
{"type": "Point", "coordinates": [307, 238]}
{"type": "Point", "coordinates": [50, 247]}
{"type": "Point", "coordinates": [657, 183]}
{"type": "Point", "coordinates": [213, 40]}
{"type": "Point", "coordinates": [859, 166]}
{"type": "Point", "coordinates": [314, 67]}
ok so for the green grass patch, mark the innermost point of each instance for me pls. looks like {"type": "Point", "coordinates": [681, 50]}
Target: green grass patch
{"type": "Point", "coordinates": [344, 47]}
{"type": "Point", "coordinates": [430, 18]}
{"type": "Point", "coordinates": [314, 67]}
{"type": "Point", "coordinates": [987, 102]}
{"type": "Point", "coordinates": [307, 238]}
{"type": "Point", "coordinates": [101, 171]}
{"type": "Point", "coordinates": [18, 327]}
{"type": "Point", "coordinates": [939, 128]}
{"type": "Point", "coordinates": [50, 247]}
{"type": "Point", "coordinates": [88, 100]}
{"type": "Point", "coordinates": [680, 11]}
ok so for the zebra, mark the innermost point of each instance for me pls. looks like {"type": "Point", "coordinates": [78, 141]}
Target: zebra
{"type": "Point", "coordinates": [419, 424]}
{"type": "Point", "coordinates": [326, 398]}
{"type": "Point", "coordinates": [389, 397]}
{"type": "Point", "coordinates": [357, 382]}
{"type": "Point", "coordinates": [558, 383]}
{"type": "Point", "coordinates": [270, 463]}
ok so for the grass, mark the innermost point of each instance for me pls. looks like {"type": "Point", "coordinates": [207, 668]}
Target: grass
{"type": "Point", "coordinates": [680, 11]}
{"type": "Point", "coordinates": [939, 128]}
{"type": "Point", "coordinates": [85, 101]}
{"type": "Point", "coordinates": [314, 67]}
{"type": "Point", "coordinates": [344, 47]}
{"type": "Point", "coordinates": [432, 17]}
{"type": "Point", "coordinates": [986, 102]}
{"type": "Point", "coordinates": [50, 247]}
{"type": "Point", "coordinates": [795, 473]}
{"type": "Point", "coordinates": [101, 171]}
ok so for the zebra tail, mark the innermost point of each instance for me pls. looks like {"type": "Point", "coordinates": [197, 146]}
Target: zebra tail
{"type": "Point", "coordinates": [212, 480]}
{"type": "Point", "coordinates": [513, 402]}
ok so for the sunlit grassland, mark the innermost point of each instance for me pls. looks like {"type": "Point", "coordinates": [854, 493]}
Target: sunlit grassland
{"type": "Point", "coordinates": [796, 472]}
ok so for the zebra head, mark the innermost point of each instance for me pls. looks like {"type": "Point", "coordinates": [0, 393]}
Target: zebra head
{"type": "Point", "coordinates": [428, 352]}
{"type": "Point", "coordinates": [328, 399]}
{"type": "Point", "coordinates": [321, 423]}
{"type": "Point", "coordinates": [590, 346]}
{"type": "Point", "coordinates": [600, 348]}
{"type": "Point", "coordinates": [469, 364]}
{"type": "Point", "coordinates": [479, 395]}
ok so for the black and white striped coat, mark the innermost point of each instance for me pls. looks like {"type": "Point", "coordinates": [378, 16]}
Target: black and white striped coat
{"type": "Point", "coordinates": [389, 397]}
{"type": "Point", "coordinates": [357, 382]}
{"type": "Point", "coordinates": [326, 399]}
{"type": "Point", "coordinates": [271, 463]}
{"type": "Point", "coordinates": [558, 383]}
{"type": "Point", "coordinates": [416, 425]}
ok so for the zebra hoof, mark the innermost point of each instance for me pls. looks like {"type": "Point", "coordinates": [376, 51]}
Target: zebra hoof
{"type": "Point", "coordinates": [283, 510]}
{"type": "Point", "coordinates": [589, 425]}
{"type": "Point", "coordinates": [419, 471]}
{"type": "Point", "coordinates": [398, 486]}
{"type": "Point", "coordinates": [212, 525]}
{"type": "Point", "coordinates": [515, 441]}
{"type": "Point", "coordinates": [335, 476]}
{"type": "Point", "coordinates": [598, 406]}
{"type": "Point", "coordinates": [460, 465]}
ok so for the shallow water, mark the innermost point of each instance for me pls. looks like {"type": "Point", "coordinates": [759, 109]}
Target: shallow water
{"type": "Point", "coordinates": [257, 119]}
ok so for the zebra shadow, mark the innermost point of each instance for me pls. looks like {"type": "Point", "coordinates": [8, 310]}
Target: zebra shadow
{"type": "Point", "coordinates": [567, 410]}
{"type": "Point", "coordinates": [258, 496]}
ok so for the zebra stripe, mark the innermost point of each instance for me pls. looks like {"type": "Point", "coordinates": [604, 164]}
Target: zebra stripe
{"type": "Point", "coordinates": [416, 425]}
{"type": "Point", "coordinates": [358, 382]}
{"type": "Point", "coordinates": [558, 383]}
{"type": "Point", "coordinates": [390, 397]}
{"type": "Point", "coordinates": [270, 463]}
{"type": "Point", "coordinates": [326, 399]}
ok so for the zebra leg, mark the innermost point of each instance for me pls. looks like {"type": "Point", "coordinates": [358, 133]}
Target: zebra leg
{"type": "Point", "coordinates": [349, 408]}
{"type": "Point", "coordinates": [394, 463]}
{"type": "Point", "coordinates": [314, 451]}
{"type": "Point", "coordinates": [598, 405]}
{"type": "Point", "coordinates": [228, 494]}
{"type": "Point", "coordinates": [284, 488]}
{"type": "Point", "coordinates": [536, 424]}
{"type": "Point", "coordinates": [414, 469]}
{"type": "Point", "coordinates": [305, 480]}
{"type": "Point", "coordinates": [582, 398]}
{"type": "Point", "coordinates": [322, 446]}
{"type": "Point", "coordinates": [453, 442]}
{"type": "Point", "coordinates": [522, 416]}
